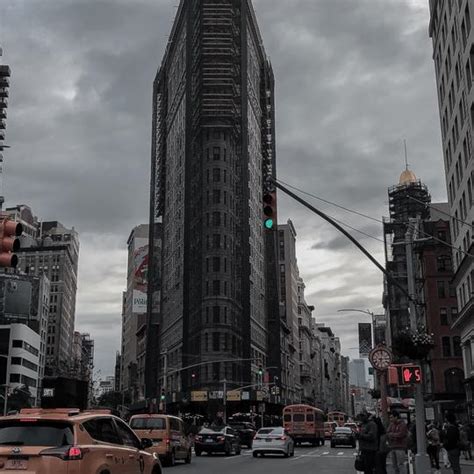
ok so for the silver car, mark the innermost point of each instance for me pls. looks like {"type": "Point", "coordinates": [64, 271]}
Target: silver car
{"type": "Point", "coordinates": [273, 441]}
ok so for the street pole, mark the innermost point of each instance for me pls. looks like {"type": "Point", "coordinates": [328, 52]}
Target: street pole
{"type": "Point", "coordinates": [165, 378]}
{"type": "Point", "coordinates": [5, 401]}
{"type": "Point", "coordinates": [422, 461]}
{"type": "Point", "coordinates": [383, 395]}
{"type": "Point", "coordinates": [225, 402]}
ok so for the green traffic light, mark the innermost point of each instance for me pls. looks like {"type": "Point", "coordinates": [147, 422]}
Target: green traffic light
{"type": "Point", "coordinates": [268, 223]}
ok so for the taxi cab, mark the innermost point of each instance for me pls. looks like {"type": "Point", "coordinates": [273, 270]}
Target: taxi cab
{"type": "Point", "coordinates": [41, 441]}
{"type": "Point", "coordinates": [168, 435]}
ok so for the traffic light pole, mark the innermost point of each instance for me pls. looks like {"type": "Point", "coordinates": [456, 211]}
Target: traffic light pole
{"type": "Point", "coordinates": [422, 460]}
{"type": "Point", "coordinates": [343, 231]}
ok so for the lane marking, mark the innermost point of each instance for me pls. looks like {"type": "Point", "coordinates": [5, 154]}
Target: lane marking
{"type": "Point", "coordinates": [340, 453]}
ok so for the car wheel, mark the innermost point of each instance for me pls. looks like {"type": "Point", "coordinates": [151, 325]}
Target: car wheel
{"type": "Point", "coordinates": [333, 445]}
{"type": "Point", "coordinates": [238, 450]}
{"type": "Point", "coordinates": [228, 451]}
{"type": "Point", "coordinates": [255, 454]}
{"type": "Point", "coordinates": [287, 454]}
{"type": "Point", "coordinates": [353, 445]}
{"type": "Point", "coordinates": [188, 458]}
{"type": "Point", "coordinates": [197, 452]}
{"type": "Point", "coordinates": [171, 459]}
{"type": "Point", "coordinates": [292, 452]}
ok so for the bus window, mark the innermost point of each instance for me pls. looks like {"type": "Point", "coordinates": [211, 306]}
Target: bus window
{"type": "Point", "coordinates": [298, 417]}
{"type": "Point", "coordinates": [287, 418]}
{"type": "Point", "coordinates": [309, 417]}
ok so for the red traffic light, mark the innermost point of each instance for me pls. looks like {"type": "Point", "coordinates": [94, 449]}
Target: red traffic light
{"type": "Point", "coordinates": [411, 374]}
{"type": "Point", "coordinates": [9, 242]}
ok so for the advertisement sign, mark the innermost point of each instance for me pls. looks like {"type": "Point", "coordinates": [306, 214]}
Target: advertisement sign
{"type": "Point", "coordinates": [234, 396]}
{"type": "Point", "coordinates": [365, 339]}
{"type": "Point", "coordinates": [140, 276]}
{"type": "Point", "coordinates": [18, 297]}
{"type": "Point", "coordinates": [199, 396]}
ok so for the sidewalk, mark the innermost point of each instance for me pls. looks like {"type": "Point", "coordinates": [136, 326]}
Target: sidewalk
{"type": "Point", "coordinates": [465, 463]}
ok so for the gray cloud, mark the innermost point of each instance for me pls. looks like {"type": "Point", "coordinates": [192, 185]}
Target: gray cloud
{"type": "Point", "coordinates": [353, 80]}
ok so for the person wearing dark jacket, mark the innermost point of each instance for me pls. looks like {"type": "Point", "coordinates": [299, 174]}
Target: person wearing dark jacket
{"type": "Point", "coordinates": [368, 442]}
{"type": "Point", "coordinates": [381, 455]}
{"type": "Point", "coordinates": [450, 438]}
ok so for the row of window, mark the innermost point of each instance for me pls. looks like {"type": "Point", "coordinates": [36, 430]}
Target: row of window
{"type": "Point", "coordinates": [445, 290]}
{"type": "Point", "coordinates": [23, 379]}
{"type": "Point", "coordinates": [17, 343]}
{"type": "Point", "coordinates": [25, 363]}
{"type": "Point", "coordinates": [448, 317]}
{"type": "Point", "coordinates": [451, 346]}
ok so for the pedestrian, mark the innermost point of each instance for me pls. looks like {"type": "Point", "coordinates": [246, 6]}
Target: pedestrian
{"type": "Point", "coordinates": [434, 444]}
{"type": "Point", "coordinates": [450, 438]}
{"type": "Point", "coordinates": [382, 453]}
{"type": "Point", "coordinates": [368, 442]}
{"type": "Point", "coordinates": [397, 434]}
{"type": "Point", "coordinates": [465, 442]}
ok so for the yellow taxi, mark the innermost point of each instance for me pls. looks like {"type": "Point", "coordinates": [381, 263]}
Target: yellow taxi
{"type": "Point", "coordinates": [170, 441]}
{"type": "Point", "coordinates": [68, 441]}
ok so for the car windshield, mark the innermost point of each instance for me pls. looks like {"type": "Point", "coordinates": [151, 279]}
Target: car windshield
{"type": "Point", "coordinates": [343, 430]}
{"type": "Point", "coordinates": [36, 433]}
{"type": "Point", "coordinates": [213, 429]}
{"type": "Point", "coordinates": [148, 424]}
{"type": "Point", "coordinates": [266, 431]}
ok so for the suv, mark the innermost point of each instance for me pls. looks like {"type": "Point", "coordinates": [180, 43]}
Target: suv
{"type": "Point", "coordinates": [67, 440]}
{"type": "Point", "coordinates": [246, 432]}
{"type": "Point", "coordinates": [168, 435]}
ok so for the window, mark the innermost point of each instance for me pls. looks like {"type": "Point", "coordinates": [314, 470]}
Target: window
{"type": "Point", "coordinates": [216, 241]}
{"type": "Point", "coordinates": [446, 344]}
{"type": "Point", "coordinates": [457, 351]}
{"type": "Point", "coordinates": [127, 435]}
{"type": "Point", "coordinates": [15, 378]}
{"type": "Point", "coordinates": [16, 360]}
{"type": "Point", "coordinates": [216, 219]}
{"type": "Point", "coordinates": [443, 316]}
{"type": "Point", "coordinates": [216, 314]}
{"type": "Point", "coordinates": [215, 341]}
{"type": "Point", "coordinates": [148, 424]}
{"type": "Point", "coordinates": [216, 153]}
{"type": "Point", "coordinates": [454, 379]}
{"type": "Point", "coordinates": [216, 175]}
{"type": "Point", "coordinates": [37, 433]}
{"type": "Point", "coordinates": [444, 263]}
{"type": "Point", "coordinates": [441, 289]}
{"type": "Point", "coordinates": [216, 286]}
{"type": "Point", "coordinates": [102, 429]}
{"type": "Point", "coordinates": [216, 264]}
{"type": "Point", "coordinates": [454, 314]}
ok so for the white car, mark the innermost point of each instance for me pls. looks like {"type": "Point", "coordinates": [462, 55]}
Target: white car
{"type": "Point", "coordinates": [273, 441]}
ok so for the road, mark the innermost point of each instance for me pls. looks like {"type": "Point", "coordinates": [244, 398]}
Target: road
{"type": "Point", "coordinates": [322, 460]}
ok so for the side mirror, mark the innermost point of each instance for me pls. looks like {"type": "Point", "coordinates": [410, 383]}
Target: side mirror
{"type": "Point", "coordinates": [146, 443]}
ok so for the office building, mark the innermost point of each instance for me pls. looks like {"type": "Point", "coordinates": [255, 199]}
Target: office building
{"type": "Point", "coordinates": [4, 93]}
{"type": "Point", "coordinates": [453, 54]}
{"type": "Point", "coordinates": [358, 373]}
{"type": "Point", "coordinates": [50, 249]}
{"type": "Point", "coordinates": [213, 142]}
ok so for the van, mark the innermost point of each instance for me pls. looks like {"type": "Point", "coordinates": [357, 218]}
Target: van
{"type": "Point", "coordinates": [170, 441]}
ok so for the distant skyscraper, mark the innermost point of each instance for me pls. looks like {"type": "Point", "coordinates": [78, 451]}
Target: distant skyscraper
{"type": "Point", "coordinates": [4, 85]}
{"type": "Point", "coordinates": [357, 373]}
{"type": "Point", "coordinates": [50, 249]}
{"type": "Point", "coordinates": [213, 141]}
{"type": "Point", "coordinates": [453, 53]}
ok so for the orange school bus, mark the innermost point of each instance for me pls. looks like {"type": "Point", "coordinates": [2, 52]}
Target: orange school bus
{"type": "Point", "coordinates": [338, 416]}
{"type": "Point", "coordinates": [304, 423]}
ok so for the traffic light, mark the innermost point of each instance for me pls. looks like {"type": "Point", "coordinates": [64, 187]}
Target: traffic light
{"type": "Point", "coordinates": [269, 210]}
{"type": "Point", "coordinates": [260, 370]}
{"type": "Point", "coordinates": [9, 242]}
{"type": "Point", "coordinates": [411, 374]}
{"type": "Point", "coordinates": [163, 395]}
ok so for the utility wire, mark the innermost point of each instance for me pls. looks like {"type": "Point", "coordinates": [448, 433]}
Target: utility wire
{"type": "Point", "coordinates": [440, 211]}
{"type": "Point", "coordinates": [425, 234]}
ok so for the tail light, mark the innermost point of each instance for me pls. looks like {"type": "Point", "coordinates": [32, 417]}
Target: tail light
{"type": "Point", "coordinates": [283, 438]}
{"type": "Point", "coordinates": [198, 438]}
{"type": "Point", "coordinates": [167, 441]}
{"type": "Point", "coordinates": [221, 438]}
{"type": "Point", "coordinates": [66, 453]}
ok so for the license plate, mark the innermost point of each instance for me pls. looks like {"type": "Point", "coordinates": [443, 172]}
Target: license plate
{"type": "Point", "coordinates": [209, 440]}
{"type": "Point", "coordinates": [16, 464]}
{"type": "Point", "coordinates": [268, 440]}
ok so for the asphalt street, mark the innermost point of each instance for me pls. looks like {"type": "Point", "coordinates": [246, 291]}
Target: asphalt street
{"type": "Point", "coordinates": [307, 460]}
{"type": "Point", "coordinates": [322, 460]}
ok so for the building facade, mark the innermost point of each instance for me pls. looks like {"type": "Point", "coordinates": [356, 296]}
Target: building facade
{"type": "Point", "coordinates": [453, 42]}
{"type": "Point", "coordinates": [20, 361]}
{"type": "Point", "coordinates": [50, 249]}
{"type": "Point", "coordinates": [4, 93]}
{"type": "Point", "coordinates": [358, 373]}
{"type": "Point", "coordinates": [213, 141]}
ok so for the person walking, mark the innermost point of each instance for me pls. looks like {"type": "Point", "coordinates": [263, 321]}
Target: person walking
{"type": "Point", "coordinates": [451, 439]}
{"type": "Point", "coordinates": [434, 445]}
{"type": "Point", "coordinates": [397, 435]}
{"type": "Point", "coordinates": [381, 455]}
{"type": "Point", "coordinates": [368, 442]}
{"type": "Point", "coordinates": [465, 442]}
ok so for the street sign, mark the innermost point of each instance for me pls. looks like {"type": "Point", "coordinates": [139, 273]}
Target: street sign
{"type": "Point", "coordinates": [216, 395]}
{"type": "Point", "coordinates": [245, 395]}
{"type": "Point", "coordinates": [411, 374]}
{"type": "Point", "coordinates": [199, 396]}
{"type": "Point", "coordinates": [234, 396]}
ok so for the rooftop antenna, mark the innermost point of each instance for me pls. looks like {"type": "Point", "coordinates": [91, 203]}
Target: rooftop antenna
{"type": "Point", "coordinates": [406, 154]}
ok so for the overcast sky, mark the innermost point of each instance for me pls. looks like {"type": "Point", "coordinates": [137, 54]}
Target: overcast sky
{"type": "Point", "coordinates": [353, 79]}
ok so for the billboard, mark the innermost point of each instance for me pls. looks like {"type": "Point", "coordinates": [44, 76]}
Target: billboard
{"type": "Point", "coordinates": [140, 276]}
{"type": "Point", "coordinates": [365, 339]}
{"type": "Point", "coordinates": [18, 298]}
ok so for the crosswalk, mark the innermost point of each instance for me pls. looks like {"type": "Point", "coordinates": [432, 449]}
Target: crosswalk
{"type": "Point", "coordinates": [316, 454]}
